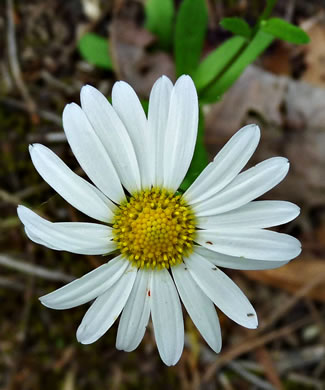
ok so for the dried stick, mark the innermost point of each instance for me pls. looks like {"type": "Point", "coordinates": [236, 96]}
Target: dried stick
{"type": "Point", "coordinates": [9, 198]}
{"type": "Point", "coordinates": [11, 284]}
{"type": "Point", "coordinates": [14, 64]}
{"type": "Point", "coordinates": [254, 343]}
{"type": "Point", "coordinates": [32, 269]}
{"type": "Point", "coordinates": [302, 292]}
{"type": "Point", "coordinates": [47, 115]}
{"type": "Point", "coordinates": [255, 380]}
{"type": "Point", "coordinates": [250, 345]}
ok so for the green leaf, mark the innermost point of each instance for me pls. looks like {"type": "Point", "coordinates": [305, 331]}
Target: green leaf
{"type": "Point", "coordinates": [200, 157]}
{"type": "Point", "coordinates": [159, 20]}
{"type": "Point", "coordinates": [267, 10]}
{"type": "Point", "coordinates": [95, 49]}
{"type": "Point", "coordinates": [216, 61]}
{"type": "Point", "coordinates": [190, 28]}
{"type": "Point", "coordinates": [237, 26]}
{"type": "Point", "coordinates": [281, 29]}
{"type": "Point", "coordinates": [257, 45]}
{"type": "Point", "coordinates": [145, 105]}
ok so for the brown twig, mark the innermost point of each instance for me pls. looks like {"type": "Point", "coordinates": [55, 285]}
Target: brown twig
{"type": "Point", "coordinates": [29, 191]}
{"type": "Point", "coordinates": [291, 4]}
{"type": "Point", "coordinates": [250, 345]}
{"type": "Point", "coordinates": [286, 306]}
{"type": "Point", "coordinates": [35, 270]}
{"type": "Point", "coordinates": [14, 63]}
{"type": "Point", "coordinates": [263, 356]}
{"type": "Point", "coordinates": [255, 380]}
{"type": "Point", "coordinates": [258, 341]}
{"type": "Point", "coordinates": [302, 381]}
{"type": "Point", "coordinates": [22, 333]}
{"type": "Point", "coordinates": [58, 84]}
{"type": "Point", "coordinates": [225, 381]}
{"type": "Point", "coordinates": [9, 198]}
{"type": "Point", "coordinates": [47, 115]}
{"type": "Point", "coordinates": [11, 284]}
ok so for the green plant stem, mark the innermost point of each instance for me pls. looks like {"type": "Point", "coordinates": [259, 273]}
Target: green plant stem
{"type": "Point", "coordinates": [270, 4]}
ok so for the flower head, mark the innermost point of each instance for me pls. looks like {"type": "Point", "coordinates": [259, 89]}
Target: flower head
{"type": "Point", "coordinates": [169, 245]}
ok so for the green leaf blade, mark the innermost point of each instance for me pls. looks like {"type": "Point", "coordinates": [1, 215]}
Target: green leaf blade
{"type": "Point", "coordinates": [257, 45]}
{"type": "Point", "coordinates": [190, 28]}
{"type": "Point", "coordinates": [95, 49]}
{"type": "Point", "coordinates": [281, 29]}
{"type": "Point", "coordinates": [237, 26]}
{"type": "Point", "coordinates": [159, 20]}
{"type": "Point", "coordinates": [200, 157]}
{"type": "Point", "coordinates": [211, 66]}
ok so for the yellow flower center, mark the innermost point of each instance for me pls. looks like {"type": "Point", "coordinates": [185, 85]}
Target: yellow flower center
{"type": "Point", "coordinates": [154, 229]}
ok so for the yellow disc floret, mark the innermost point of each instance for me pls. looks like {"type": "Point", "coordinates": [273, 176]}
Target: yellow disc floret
{"type": "Point", "coordinates": [154, 228]}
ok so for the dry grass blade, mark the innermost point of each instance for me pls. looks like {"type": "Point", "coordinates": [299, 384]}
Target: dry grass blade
{"type": "Point", "coordinates": [35, 270]}
{"type": "Point", "coordinates": [250, 345]}
{"type": "Point", "coordinates": [259, 341]}
{"type": "Point", "coordinates": [253, 379]}
{"type": "Point", "coordinates": [286, 306]}
{"type": "Point", "coordinates": [264, 357]}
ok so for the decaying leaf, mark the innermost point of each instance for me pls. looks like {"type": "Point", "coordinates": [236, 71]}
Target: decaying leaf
{"type": "Point", "coordinates": [291, 115]}
{"type": "Point", "coordinates": [294, 276]}
{"type": "Point", "coordinates": [132, 60]}
{"type": "Point", "coordinates": [315, 56]}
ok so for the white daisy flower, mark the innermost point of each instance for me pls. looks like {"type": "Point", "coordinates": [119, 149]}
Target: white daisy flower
{"type": "Point", "coordinates": [168, 245]}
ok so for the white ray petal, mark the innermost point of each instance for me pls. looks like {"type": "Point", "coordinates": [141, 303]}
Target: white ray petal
{"type": "Point", "coordinates": [233, 262]}
{"type": "Point", "coordinates": [36, 239]}
{"type": "Point", "coordinates": [199, 307]}
{"type": "Point", "coordinates": [90, 152]}
{"type": "Point", "coordinates": [76, 237]}
{"type": "Point", "coordinates": [107, 307]}
{"type": "Point", "coordinates": [257, 214]}
{"type": "Point", "coordinates": [75, 190]}
{"type": "Point", "coordinates": [88, 287]}
{"type": "Point", "coordinates": [128, 106]}
{"type": "Point", "coordinates": [251, 243]}
{"type": "Point", "coordinates": [113, 135]}
{"type": "Point", "coordinates": [167, 317]}
{"type": "Point", "coordinates": [225, 294]}
{"type": "Point", "coordinates": [135, 315]}
{"type": "Point", "coordinates": [245, 187]}
{"type": "Point", "coordinates": [226, 165]}
{"type": "Point", "coordinates": [181, 132]}
{"type": "Point", "coordinates": [157, 121]}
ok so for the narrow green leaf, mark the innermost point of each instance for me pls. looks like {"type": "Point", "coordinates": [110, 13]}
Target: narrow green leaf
{"type": "Point", "coordinates": [159, 20]}
{"type": "Point", "coordinates": [190, 28]}
{"type": "Point", "coordinates": [237, 26]}
{"type": "Point", "coordinates": [95, 49]}
{"type": "Point", "coordinates": [257, 45]}
{"type": "Point", "coordinates": [216, 61]}
{"type": "Point", "coordinates": [145, 105]}
{"type": "Point", "coordinates": [200, 157]}
{"type": "Point", "coordinates": [281, 29]}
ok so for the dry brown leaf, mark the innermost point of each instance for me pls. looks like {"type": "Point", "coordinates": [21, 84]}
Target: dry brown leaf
{"type": "Point", "coordinates": [257, 91]}
{"type": "Point", "coordinates": [277, 60]}
{"type": "Point", "coordinates": [315, 56]}
{"type": "Point", "coordinates": [292, 118]}
{"type": "Point", "coordinates": [320, 234]}
{"type": "Point", "coordinates": [294, 276]}
{"type": "Point", "coordinates": [132, 61]}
